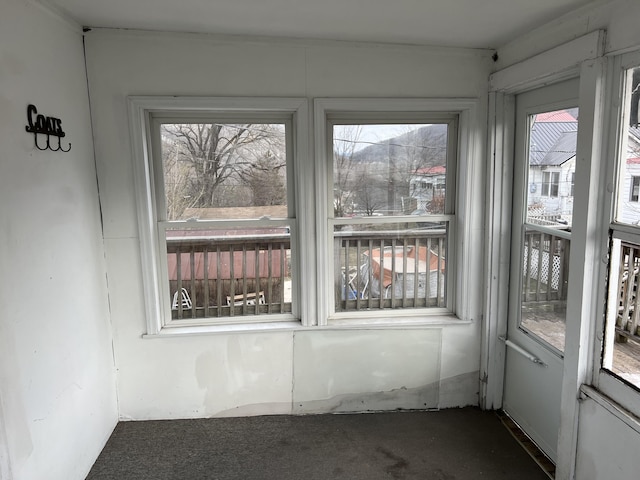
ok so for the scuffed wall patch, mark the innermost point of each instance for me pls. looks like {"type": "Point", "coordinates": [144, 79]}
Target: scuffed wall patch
{"type": "Point", "coordinates": [460, 391]}
{"type": "Point", "coordinates": [363, 370]}
{"type": "Point", "coordinates": [420, 398]}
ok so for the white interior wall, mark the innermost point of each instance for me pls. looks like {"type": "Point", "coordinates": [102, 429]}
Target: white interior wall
{"type": "Point", "coordinates": [57, 383]}
{"type": "Point", "coordinates": [608, 447]}
{"type": "Point", "coordinates": [265, 372]}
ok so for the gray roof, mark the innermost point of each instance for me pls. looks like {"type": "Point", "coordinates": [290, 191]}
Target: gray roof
{"type": "Point", "coordinates": [563, 150]}
{"type": "Point", "coordinates": [552, 143]}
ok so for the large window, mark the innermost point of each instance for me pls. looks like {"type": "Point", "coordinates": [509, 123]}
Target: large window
{"type": "Point", "coordinates": [621, 354]}
{"type": "Point", "coordinates": [390, 241]}
{"type": "Point", "coordinates": [399, 183]}
{"type": "Point", "coordinates": [224, 210]}
{"type": "Point", "coordinates": [218, 208]}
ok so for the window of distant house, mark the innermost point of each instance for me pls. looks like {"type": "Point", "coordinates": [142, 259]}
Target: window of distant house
{"type": "Point", "coordinates": [621, 353]}
{"type": "Point", "coordinates": [635, 189]}
{"type": "Point", "coordinates": [390, 243]}
{"type": "Point", "coordinates": [573, 184]}
{"type": "Point", "coordinates": [223, 215]}
{"type": "Point", "coordinates": [550, 184]}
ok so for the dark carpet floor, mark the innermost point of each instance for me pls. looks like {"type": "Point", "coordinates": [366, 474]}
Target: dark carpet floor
{"type": "Point", "coordinates": [456, 444]}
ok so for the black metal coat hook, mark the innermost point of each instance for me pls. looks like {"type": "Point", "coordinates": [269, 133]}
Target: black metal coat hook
{"type": "Point", "coordinates": [49, 126]}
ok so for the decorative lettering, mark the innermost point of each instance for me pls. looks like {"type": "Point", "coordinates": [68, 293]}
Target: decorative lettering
{"type": "Point", "coordinates": [49, 126]}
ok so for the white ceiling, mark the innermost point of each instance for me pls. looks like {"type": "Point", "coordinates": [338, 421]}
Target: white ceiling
{"type": "Point", "coordinates": [457, 23]}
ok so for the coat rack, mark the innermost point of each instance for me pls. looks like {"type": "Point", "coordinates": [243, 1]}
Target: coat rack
{"type": "Point", "coordinates": [49, 126]}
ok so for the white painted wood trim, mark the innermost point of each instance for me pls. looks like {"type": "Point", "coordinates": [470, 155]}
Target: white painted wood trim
{"type": "Point", "coordinates": [324, 252]}
{"type": "Point", "coordinates": [145, 204]}
{"type": "Point", "coordinates": [584, 264]}
{"type": "Point", "coordinates": [498, 246]}
{"type": "Point", "coordinates": [557, 64]}
{"type": "Point", "coordinates": [612, 407]}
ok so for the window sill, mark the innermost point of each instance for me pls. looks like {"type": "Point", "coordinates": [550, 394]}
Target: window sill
{"type": "Point", "coordinates": [420, 318]}
{"type": "Point", "coordinates": [335, 323]}
{"type": "Point", "coordinates": [611, 406]}
{"type": "Point", "coordinates": [199, 330]}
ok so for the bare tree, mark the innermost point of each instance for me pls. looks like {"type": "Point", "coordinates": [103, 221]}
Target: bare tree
{"type": "Point", "coordinates": [267, 181]}
{"type": "Point", "coordinates": [176, 175]}
{"type": "Point", "coordinates": [211, 156]}
{"type": "Point", "coordinates": [369, 194]}
{"type": "Point", "coordinates": [344, 146]}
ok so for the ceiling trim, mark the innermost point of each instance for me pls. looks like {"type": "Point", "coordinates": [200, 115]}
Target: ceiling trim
{"type": "Point", "coordinates": [290, 41]}
{"type": "Point", "coordinates": [57, 13]}
{"type": "Point", "coordinates": [559, 63]}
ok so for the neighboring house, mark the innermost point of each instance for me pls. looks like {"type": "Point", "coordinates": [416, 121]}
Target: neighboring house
{"type": "Point", "coordinates": [629, 201]}
{"type": "Point", "coordinates": [552, 164]}
{"type": "Point", "coordinates": [426, 184]}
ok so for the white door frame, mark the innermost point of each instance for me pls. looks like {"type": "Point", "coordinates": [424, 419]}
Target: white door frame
{"type": "Point", "coordinates": [581, 57]}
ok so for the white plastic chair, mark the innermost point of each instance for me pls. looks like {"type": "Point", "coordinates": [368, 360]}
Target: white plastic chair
{"type": "Point", "coordinates": [186, 300]}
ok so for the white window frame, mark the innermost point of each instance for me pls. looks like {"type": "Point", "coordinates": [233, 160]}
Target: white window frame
{"type": "Point", "coordinates": [621, 393]}
{"type": "Point", "coordinates": [153, 259]}
{"type": "Point", "coordinates": [464, 262]}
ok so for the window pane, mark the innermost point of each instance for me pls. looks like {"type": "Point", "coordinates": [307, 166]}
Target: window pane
{"type": "Point", "coordinates": [390, 266]}
{"type": "Point", "coordinates": [552, 164]}
{"type": "Point", "coordinates": [389, 169]}
{"type": "Point", "coordinates": [622, 355]}
{"type": "Point", "coordinates": [545, 268]}
{"type": "Point", "coordinates": [628, 210]}
{"type": "Point", "coordinates": [230, 272]}
{"type": "Point", "coordinates": [545, 251]}
{"type": "Point", "coordinates": [624, 359]}
{"type": "Point", "coordinates": [210, 169]}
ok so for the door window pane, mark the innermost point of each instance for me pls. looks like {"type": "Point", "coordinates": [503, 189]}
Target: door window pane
{"type": "Point", "coordinates": [547, 231]}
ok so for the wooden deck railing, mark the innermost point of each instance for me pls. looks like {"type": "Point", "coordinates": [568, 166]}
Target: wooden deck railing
{"type": "Point", "coordinates": [229, 276]}
{"type": "Point", "coordinates": [628, 318]}
{"type": "Point", "coordinates": [545, 267]}
{"type": "Point", "coordinates": [383, 270]}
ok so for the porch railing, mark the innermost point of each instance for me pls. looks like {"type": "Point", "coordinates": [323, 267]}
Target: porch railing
{"type": "Point", "coordinates": [628, 318]}
{"type": "Point", "coordinates": [386, 270]}
{"type": "Point", "coordinates": [229, 276]}
{"type": "Point", "coordinates": [545, 267]}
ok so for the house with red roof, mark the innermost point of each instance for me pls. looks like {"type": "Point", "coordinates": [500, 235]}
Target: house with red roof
{"type": "Point", "coordinates": [427, 184]}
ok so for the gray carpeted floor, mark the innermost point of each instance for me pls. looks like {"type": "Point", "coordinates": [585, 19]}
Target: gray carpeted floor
{"type": "Point", "coordinates": [456, 444]}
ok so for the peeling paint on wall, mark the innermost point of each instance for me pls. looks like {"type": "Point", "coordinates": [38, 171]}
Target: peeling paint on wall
{"type": "Point", "coordinates": [350, 371]}
{"type": "Point", "coordinates": [460, 391]}
{"type": "Point", "coordinates": [420, 398]}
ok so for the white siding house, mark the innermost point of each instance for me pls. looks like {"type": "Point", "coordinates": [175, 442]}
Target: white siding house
{"type": "Point", "coordinates": [552, 164]}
